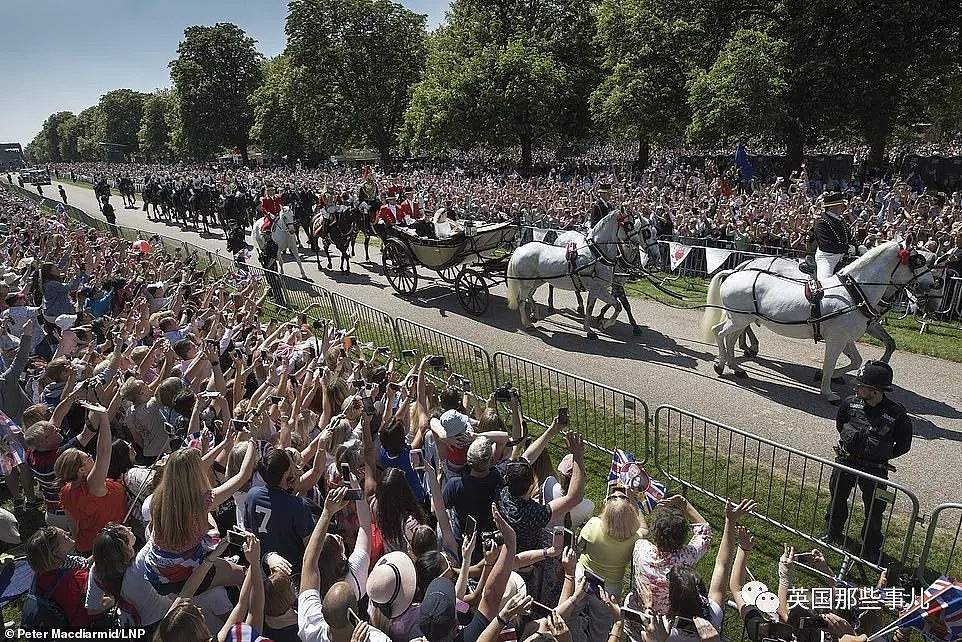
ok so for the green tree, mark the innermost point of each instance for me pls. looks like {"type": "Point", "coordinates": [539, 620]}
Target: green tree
{"type": "Point", "coordinates": [48, 150]}
{"type": "Point", "coordinates": [154, 137]}
{"type": "Point", "coordinates": [515, 72]}
{"type": "Point", "coordinates": [91, 131]}
{"type": "Point", "coordinates": [275, 124]}
{"type": "Point", "coordinates": [216, 70]}
{"type": "Point", "coordinates": [68, 132]}
{"type": "Point", "coordinates": [743, 94]}
{"type": "Point", "coordinates": [648, 49]}
{"type": "Point", "coordinates": [356, 61]}
{"type": "Point", "coordinates": [122, 110]}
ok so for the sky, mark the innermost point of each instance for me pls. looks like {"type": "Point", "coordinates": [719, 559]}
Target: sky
{"type": "Point", "coordinates": [63, 55]}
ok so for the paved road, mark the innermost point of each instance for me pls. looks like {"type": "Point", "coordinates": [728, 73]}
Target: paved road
{"type": "Point", "coordinates": [668, 364]}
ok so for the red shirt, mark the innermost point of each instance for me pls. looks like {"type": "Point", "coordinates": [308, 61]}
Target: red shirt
{"type": "Point", "coordinates": [388, 214]}
{"type": "Point", "coordinates": [271, 205]}
{"type": "Point", "coordinates": [70, 594]}
{"type": "Point", "coordinates": [93, 513]}
{"type": "Point", "coordinates": [409, 209]}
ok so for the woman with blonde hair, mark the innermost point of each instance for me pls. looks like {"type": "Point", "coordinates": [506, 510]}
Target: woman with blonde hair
{"type": "Point", "coordinates": [90, 499]}
{"type": "Point", "coordinates": [608, 541]}
{"type": "Point", "coordinates": [180, 515]}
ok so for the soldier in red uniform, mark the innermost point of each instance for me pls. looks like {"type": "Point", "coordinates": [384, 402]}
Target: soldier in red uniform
{"type": "Point", "coordinates": [270, 209]}
{"type": "Point", "coordinates": [410, 210]}
{"type": "Point", "coordinates": [389, 212]}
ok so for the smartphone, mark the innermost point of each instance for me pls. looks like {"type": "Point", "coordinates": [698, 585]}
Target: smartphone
{"type": "Point", "coordinates": [632, 615]}
{"type": "Point", "coordinates": [593, 583]}
{"type": "Point", "coordinates": [276, 399]}
{"type": "Point", "coordinates": [359, 383]}
{"type": "Point", "coordinates": [438, 363]}
{"type": "Point", "coordinates": [354, 494]}
{"type": "Point", "coordinates": [352, 617]}
{"type": "Point", "coordinates": [236, 537]}
{"type": "Point", "coordinates": [558, 538]}
{"type": "Point", "coordinates": [417, 459]}
{"type": "Point", "coordinates": [368, 404]}
{"type": "Point", "coordinates": [470, 525]}
{"type": "Point", "coordinates": [346, 472]}
{"type": "Point", "coordinates": [563, 415]}
{"type": "Point", "coordinates": [409, 353]}
{"type": "Point", "coordinates": [539, 610]}
{"type": "Point", "coordinates": [318, 325]}
{"type": "Point", "coordinates": [208, 394]}
{"type": "Point", "coordinates": [240, 424]}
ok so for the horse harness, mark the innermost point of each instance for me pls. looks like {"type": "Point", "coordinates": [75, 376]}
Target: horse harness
{"type": "Point", "coordinates": [814, 293]}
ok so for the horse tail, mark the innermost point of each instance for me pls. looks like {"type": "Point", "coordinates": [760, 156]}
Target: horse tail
{"type": "Point", "coordinates": [514, 289]}
{"type": "Point", "coordinates": [714, 313]}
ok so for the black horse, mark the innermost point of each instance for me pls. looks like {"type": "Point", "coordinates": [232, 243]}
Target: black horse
{"type": "Point", "coordinates": [101, 191]}
{"type": "Point", "coordinates": [366, 226]}
{"type": "Point", "coordinates": [340, 229]}
{"type": "Point", "coordinates": [203, 206]}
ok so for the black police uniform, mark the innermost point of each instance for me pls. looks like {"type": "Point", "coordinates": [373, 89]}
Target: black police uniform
{"type": "Point", "coordinates": [599, 210]}
{"type": "Point", "coordinates": [869, 436]}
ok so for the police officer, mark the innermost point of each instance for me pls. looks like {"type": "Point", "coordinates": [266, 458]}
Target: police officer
{"type": "Point", "coordinates": [872, 430]}
{"type": "Point", "coordinates": [602, 207]}
{"type": "Point", "coordinates": [832, 235]}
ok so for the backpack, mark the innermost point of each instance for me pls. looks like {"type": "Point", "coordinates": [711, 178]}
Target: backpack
{"type": "Point", "coordinates": [39, 609]}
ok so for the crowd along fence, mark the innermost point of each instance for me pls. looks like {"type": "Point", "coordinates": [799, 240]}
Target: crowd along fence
{"type": "Point", "coordinates": [793, 488]}
{"type": "Point", "coordinates": [606, 417]}
{"type": "Point", "coordinates": [720, 462]}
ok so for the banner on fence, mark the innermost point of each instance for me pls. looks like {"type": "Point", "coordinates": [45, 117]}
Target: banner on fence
{"type": "Point", "coordinates": [677, 252]}
{"type": "Point", "coordinates": [715, 257]}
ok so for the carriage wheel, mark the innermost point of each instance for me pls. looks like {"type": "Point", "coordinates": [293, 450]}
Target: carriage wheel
{"type": "Point", "coordinates": [448, 275]}
{"type": "Point", "coordinates": [399, 268]}
{"type": "Point", "coordinates": [472, 291]}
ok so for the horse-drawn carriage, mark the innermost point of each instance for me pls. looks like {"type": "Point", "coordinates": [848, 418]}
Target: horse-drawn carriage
{"type": "Point", "coordinates": [473, 260]}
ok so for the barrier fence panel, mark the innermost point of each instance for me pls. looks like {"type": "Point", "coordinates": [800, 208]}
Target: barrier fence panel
{"type": "Point", "coordinates": [371, 324]}
{"type": "Point", "coordinates": [792, 488]}
{"type": "Point", "coordinates": [945, 529]}
{"type": "Point", "coordinates": [606, 417]}
{"type": "Point", "coordinates": [464, 357]}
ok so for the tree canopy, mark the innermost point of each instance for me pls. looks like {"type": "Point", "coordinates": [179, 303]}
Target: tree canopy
{"type": "Point", "coordinates": [216, 71]}
{"type": "Point", "coordinates": [355, 62]}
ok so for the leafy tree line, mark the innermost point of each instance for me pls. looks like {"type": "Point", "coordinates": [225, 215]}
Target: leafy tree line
{"type": "Point", "coordinates": [521, 73]}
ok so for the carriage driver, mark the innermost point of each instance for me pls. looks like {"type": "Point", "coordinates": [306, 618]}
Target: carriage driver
{"type": "Point", "coordinates": [270, 209]}
{"type": "Point", "coordinates": [832, 235]}
{"type": "Point", "coordinates": [872, 429]}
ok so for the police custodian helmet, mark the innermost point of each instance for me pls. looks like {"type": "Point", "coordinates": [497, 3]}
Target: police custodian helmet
{"type": "Point", "coordinates": [875, 374]}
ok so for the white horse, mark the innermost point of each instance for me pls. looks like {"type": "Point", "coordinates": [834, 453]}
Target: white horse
{"type": "Point", "coordinates": [642, 236]}
{"type": "Point", "coordinates": [791, 269]}
{"type": "Point", "coordinates": [284, 234]}
{"type": "Point", "coordinates": [534, 264]}
{"type": "Point", "coordinates": [736, 298]}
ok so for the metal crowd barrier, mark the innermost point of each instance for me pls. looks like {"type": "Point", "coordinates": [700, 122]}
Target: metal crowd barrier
{"type": "Point", "coordinates": [606, 417]}
{"type": "Point", "coordinates": [792, 488]}
{"type": "Point", "coordinates": [464, 357]}
{"type": "Point", "coordinates": [948, 530]}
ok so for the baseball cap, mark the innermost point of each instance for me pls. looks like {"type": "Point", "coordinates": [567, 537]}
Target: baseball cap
{"type": "Point", "coordinates": [451, 424]}
{"type": "Point", "coordinates": [438, 616]}
{"type": "Point", "coordinates": [65, 321]}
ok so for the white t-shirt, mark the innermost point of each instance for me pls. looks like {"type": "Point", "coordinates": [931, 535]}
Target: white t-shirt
{"type": "Point", "coordinates": [580, 514]}
{"type": "Point", "coordinates": [311, 626]}
{"type": "Point", "coordinates": [151, 606]}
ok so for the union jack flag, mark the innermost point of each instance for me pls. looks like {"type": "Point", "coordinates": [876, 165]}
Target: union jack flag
{"type": "Point", "coordinates": [243, 632]}
{"type": "Point", "coordinates": [937, 614]}
{"type": "Point", "coordinates": [627, 472]}
{"type": "Point", "coordinates": [240, 279]}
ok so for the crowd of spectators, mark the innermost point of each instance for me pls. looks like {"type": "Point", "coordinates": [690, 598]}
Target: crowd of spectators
{"type": "Point", "coordinates": [206, 473]}
{"type": "Point", "coordinates": [709, 205]}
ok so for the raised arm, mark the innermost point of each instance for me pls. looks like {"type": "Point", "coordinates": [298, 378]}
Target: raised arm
{"type": "Point", "coordinates": [719, 576]}
{"type": "Point", "coordinates": [232, 485]}
{"type": "Point", "coordinates": [97, 477]}
{"type": "Point", "coordinates": [310, 576]}
{"type": "Point", "coordinates": [745, 544]}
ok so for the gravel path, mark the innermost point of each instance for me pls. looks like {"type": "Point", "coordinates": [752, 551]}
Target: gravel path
{"type": "Point", "coordinates": [667, 364]}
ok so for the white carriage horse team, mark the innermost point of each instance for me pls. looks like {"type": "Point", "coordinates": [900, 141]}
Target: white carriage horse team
{"type": "Point", "coordinates": [771, 292]}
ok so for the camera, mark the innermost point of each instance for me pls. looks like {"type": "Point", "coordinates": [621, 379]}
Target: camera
{"type": "Point", "coordinates": [504, 392]}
